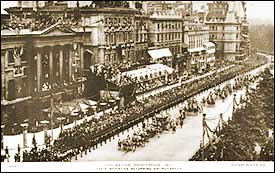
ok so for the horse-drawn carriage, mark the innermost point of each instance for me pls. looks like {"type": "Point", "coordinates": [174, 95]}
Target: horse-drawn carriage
{"type": "Point", "coordinates": [192, 108]}
{"type": "Point", "coordinates": [237, 84]}
{"type": "Point", "coordinates": [211, 99]}
{"type": "Point", "coordinates": [162, 121]}
{"type": "Point", "coordinates": [140, 137]}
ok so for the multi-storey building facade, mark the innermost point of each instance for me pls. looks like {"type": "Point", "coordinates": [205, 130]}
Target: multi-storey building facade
{"type": "Point", "coordinates": [141, 37]}
{"type": "Point", "coordinates": [113, 34]}
{"type": "Point", "coordinates": [200, 50]}
{"type": "Point", "coordinates": [226, 23]}
{"type": "Point", "coordinates": [166, 32]}
{"type": "Point", "coordinates": [37, 64]}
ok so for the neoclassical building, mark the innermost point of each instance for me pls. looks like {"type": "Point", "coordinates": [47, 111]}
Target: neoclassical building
{"type": "Point", "coordinates": [37, 64]}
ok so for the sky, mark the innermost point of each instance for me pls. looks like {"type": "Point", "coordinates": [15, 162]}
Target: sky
{"type": "Point", "coordinates": [257, 11]}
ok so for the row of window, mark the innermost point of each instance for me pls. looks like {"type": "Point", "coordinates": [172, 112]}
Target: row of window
{"type": "Point", "coordinates": [141, 25]}
{"type": "Point", "coordinates": [141, 37]}
{"type": "Point", "coordinates": [168, 37]}
{"type": "Point", "coordinates": [215, 28]}
{"type": "Point", "coordinates": [118, 20]}
{"type": "Point", "coordinates": [169, 25]}
{"type": "Point", "coordinates": [118, 37]}
{"type": "Point", "coordinates": [175, 50]}
{"type": "Point", "coordinates": [221, 36]}
{"type": "Point", "coordinates": [111, 58]}
{"type": "Point", "coordinates": [195, 43]}
{"type": "Point", "coordinates": [197, 40]}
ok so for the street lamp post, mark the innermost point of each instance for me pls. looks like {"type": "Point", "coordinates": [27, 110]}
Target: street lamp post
{"type": "Point", "coordinates": [74, 114]}
{"type": "Point", "coordinates": [85, 113]}
{"type": "Point", "coordinates": [60, 119]}
{"type": "Point", "coordinates": [94, 109]}
{"type": "Point", "coordinates": [118, 102]}
{"type": "Point", "coordinates": [45, 129]}
{"type": "Point", "coordinates": [51, 119]}
{"type": "Point", "coordinates": [112, 101]}
{"type": "Point", "coordinates": [103, 104]}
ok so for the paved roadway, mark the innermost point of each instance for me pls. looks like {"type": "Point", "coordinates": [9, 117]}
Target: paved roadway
{"type": "Point", "coordinates": [10, 140]}
{"type": "Point", "coordinates": [178, 146]}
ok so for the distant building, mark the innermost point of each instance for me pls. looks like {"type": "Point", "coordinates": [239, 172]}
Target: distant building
{"type": "Point", "coordinates": [228, 29]}
{"type": "Point", "coordinates": [113, 34]}
{"type": "Point", "coordinates": [31, 4]}
{"type": "Point", "coordinates": [200, 51]}
{"type": "Point", "coordinates": [159, 6]}
{"type": "Point", "coordinates": [166, 32]}
{"type": "Point", "coordinates": [141, 38]}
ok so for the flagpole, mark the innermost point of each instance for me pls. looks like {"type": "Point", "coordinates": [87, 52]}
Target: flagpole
{"type": "Point", "coordinates": [52, 118]}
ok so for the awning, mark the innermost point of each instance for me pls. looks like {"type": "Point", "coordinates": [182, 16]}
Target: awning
{"type": "Point", "coordinates": [210, 51]}
{"type": "Point", "coordinates": [83, 106]}
{"type": "Point", "coordinates": [199, 49]}
{"type": "Point", "coordinates": [209, 44]}
{"type": "Point", "coordinates": [148, 70]}
{"type": "Point", "coordinates": [160, 53]}
{"type": "Point", "coordinates": [89, 51]}
{"type": "Point", "coordinates": [92, 103]}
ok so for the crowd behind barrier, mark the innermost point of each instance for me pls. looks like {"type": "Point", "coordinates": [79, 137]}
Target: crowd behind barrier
{"type": "Point", "coordinates": [114, 75]}
{"type": "Point", "coordinates": [34, 126]}
{"type": "Point", "coordinates": [133, 113]}
{"type": "Point", "coordinates": [246, 136]}
{"type": "Point", "coordinates": [111, 124]}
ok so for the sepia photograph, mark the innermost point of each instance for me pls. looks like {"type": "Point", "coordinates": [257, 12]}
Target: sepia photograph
{"type": "Point", "coordinates": [137, 86]}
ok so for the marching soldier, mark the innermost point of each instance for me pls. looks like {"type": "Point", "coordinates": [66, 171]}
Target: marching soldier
{"type": "Point", "coordinates": [7, 153]}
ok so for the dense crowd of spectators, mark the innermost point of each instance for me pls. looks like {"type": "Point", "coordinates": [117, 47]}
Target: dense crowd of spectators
{"type": "Point", "coordinates": [82, 137]}
{"type": "Point", "coordinates": [147, 85]}
{"type": "Point", "coordinates": [39, 22]}
{"type": "Point", "coordinates": [246, 137]}
{"type": "Point", "coordinates": [114, 75]}
{"type": "Point", "coordinates": [87, 135]}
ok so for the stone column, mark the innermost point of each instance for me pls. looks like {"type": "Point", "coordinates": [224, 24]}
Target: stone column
{"type": "Point", "coordinates": [39, 66]}
{"type": "Point", "coordinates": [101, 57]}
{"type": "Point", "coordinates": [61, 63]}
{"type": "Point", "coordinates": [45, 129]}
{"type": "Point", "coordinates": [51, 63]}
{"type": "Point", "coordinates": [81, 55]}
{"type": "Point", "coordinates": [70, 62]}
{"type": "Point", "coordinates": [4, 64]}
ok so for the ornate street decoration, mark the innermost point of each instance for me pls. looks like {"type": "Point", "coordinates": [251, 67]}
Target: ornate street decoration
{"type": "Point", "coordinates": [17, 53]}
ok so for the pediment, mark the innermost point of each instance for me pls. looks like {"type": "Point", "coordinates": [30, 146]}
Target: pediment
{"type": "Point", "coordinates": [57, 30]}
